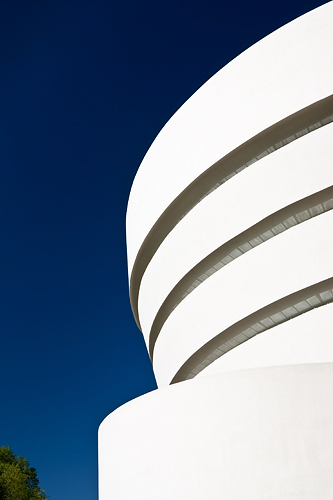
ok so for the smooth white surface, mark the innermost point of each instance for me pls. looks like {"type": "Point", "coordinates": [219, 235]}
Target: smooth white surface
{"type": "Point", "coordinates": [283, 265]}
{"type": "Point", "coordinates": [260, 433]}
{"type": "Point", "coordinates": [285, 72]}
{"type": "Point", "coordinates": [254, 434]}
{"type": "Point", "coordinates": [289, 174]}
{"type": "Point", "coordinates": [305, 339]}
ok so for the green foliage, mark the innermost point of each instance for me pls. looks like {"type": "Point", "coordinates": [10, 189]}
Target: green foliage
{"type": "Point", "coordinates": [18, 481]}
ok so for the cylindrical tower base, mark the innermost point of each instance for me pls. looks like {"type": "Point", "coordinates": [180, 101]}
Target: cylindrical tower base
{"type": "Point", "coordinates": [258, 434]}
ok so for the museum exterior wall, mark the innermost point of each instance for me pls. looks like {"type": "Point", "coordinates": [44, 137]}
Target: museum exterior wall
{"type": "Point", "coordinates": [229, 233]}
{"type": "Point", "coordinates": [250, 434]}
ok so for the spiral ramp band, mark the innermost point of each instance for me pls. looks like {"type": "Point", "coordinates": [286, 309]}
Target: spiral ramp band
{"type": "Point", "coordinates": [230, 254]}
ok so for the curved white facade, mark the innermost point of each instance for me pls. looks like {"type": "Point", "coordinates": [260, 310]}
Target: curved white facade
{"type": "Point", "coordinates": [230, 240]}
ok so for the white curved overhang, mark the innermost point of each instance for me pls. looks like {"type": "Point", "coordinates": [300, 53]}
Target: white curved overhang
{"type": "Point", "coordinates": [256, 193]}
{"type": "Point", "coordinates": [297, 259]}
{"type": "Point", "coordinates": [222, 115]}
{"type": "Point", "coordinates": [241, 174]}
{"type": "Point", "coordinates": [306, 339]}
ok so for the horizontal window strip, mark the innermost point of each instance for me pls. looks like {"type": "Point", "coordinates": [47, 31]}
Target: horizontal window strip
{"type": "Point", "coordinates": [271, 226]}
{"type": "Point", "coordinates": [266, 318]}
{"type": "Point", "coordinates": [266, 142]}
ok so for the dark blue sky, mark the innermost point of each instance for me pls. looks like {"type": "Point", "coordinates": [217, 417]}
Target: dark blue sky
{"type": "Point", "coordinates": [85, 86]}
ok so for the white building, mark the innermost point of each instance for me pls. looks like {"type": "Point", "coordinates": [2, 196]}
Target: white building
{"type": "Point", "coordinates": [230, 254]}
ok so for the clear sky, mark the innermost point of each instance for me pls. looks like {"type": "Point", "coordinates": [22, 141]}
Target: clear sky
{"type": "Point", "coordinates": [85, 86]}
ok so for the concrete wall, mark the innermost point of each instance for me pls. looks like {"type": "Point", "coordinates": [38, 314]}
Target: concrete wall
{"type": "Point", "coordinates": [251, 434]}
{"type": "Point", "coordinates": [229, 229]}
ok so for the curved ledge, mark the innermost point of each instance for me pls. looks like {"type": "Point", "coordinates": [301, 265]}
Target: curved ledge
{"type": "Point", "coordinates": [271, 226]}
{"type": "Point", "coordinates": [272, 315]}
{"type": "Point", "coordinates": [266, 142]}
